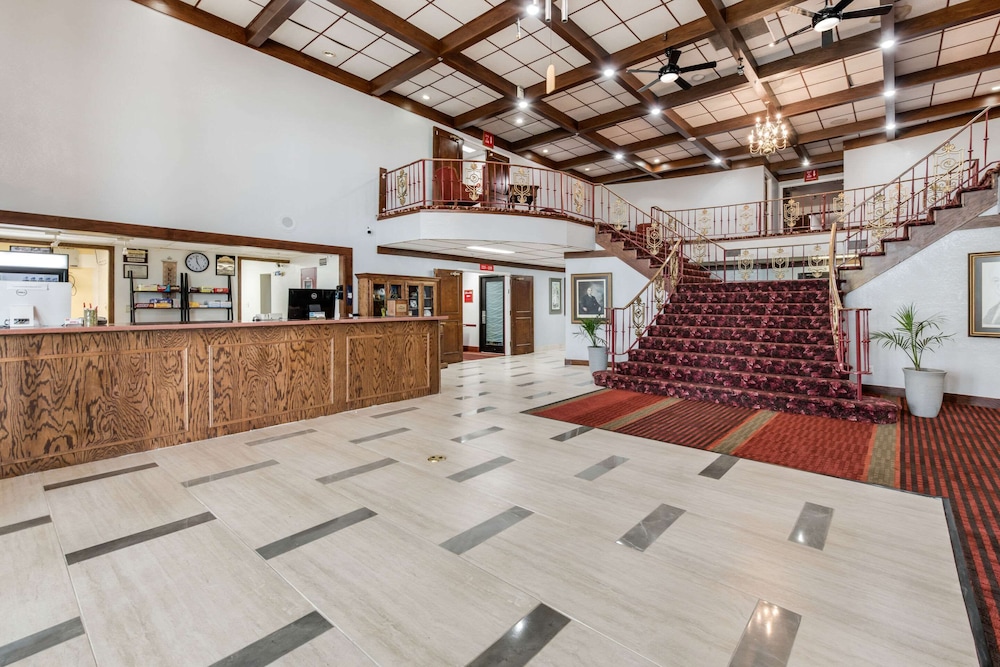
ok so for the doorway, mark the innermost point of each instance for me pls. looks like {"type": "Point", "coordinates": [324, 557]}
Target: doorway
{"type": "Point", "coordinates": [450, 306]}
{"type": "Point", "coordinates": [491, 314]}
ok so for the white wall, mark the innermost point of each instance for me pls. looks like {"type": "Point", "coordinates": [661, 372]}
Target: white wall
{"type": "Point", "coordinates": [626, 283]}
{"type": "Point", "coordinates": [734, 186]}
{"type": "Point", "coordinates": [936, 280]}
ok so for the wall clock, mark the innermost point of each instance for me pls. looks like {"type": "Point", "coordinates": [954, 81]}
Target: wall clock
{"type": "Point", "coordinates": [196, 261]}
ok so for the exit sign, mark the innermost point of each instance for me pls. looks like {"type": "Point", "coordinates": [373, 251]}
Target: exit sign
{"type": "Point", "coordinates": [468, 295]}
{"type": "Point", "coordinates": [485, 267]}
{"type": "Point", "coordinates": [812, 175]}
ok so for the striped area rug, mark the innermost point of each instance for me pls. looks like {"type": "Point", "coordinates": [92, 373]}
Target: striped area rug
{"type": "Point", "coordinates": [956, 456]}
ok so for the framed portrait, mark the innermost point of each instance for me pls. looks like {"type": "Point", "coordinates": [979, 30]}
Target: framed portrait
{"type": "Point", "coordinates": [984, 294]}
{"type": "Point", "coordinates": [225, 265]}
{"type": "Point", "coordinates": [138, 271]}
{"type": "Point", "coordinates": [591, 295]}
{"type": "Point", "coordinates": [555, 296]}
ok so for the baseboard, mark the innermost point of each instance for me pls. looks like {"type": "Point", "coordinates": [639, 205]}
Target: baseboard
{"type": "Point", "coordinates": [960, 399]}
{"type": "Point", "coordinates": [469, 348]}
{"type": "Point", "coordinates": [576, 362]}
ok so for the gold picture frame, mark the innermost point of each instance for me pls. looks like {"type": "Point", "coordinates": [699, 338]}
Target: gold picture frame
{"type": "Point", "coordinates": [984, 294]}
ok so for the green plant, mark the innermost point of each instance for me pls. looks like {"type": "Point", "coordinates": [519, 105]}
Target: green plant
{"type": "Point", "coordinates": [913, 336]}
{"type": "Point", "coordinates": [590, 329]}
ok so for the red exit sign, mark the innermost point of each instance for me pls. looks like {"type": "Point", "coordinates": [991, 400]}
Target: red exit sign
{"type": "Point", "coordinates": [468, 295]}
{"type": "Point", "coordinates": [812, 175]}
{"type": "Point", "coordinates": [485, 267]}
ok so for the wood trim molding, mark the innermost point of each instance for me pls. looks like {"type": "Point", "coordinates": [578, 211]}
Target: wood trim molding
{"type": "Point", "coordinates": [467, 260]}
{"type": "Point", "coordinates": [164, 233]}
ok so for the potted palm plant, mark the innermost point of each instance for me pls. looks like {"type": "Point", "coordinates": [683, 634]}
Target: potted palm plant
{"type": "Point", "coordinates": [597, 351]}
{"type": "Point", "coordinates": [924, 386]}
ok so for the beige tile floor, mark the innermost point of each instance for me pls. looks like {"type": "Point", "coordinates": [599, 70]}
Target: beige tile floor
{"type": "Point", "coordinates": [245, 548]}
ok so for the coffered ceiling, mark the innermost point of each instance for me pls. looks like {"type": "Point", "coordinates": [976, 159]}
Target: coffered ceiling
{"type": "Point", "coordinates": [461, 62]}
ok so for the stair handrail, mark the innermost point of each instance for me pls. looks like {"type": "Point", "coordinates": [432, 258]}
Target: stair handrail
{"type": "Point", "coordinates": [900, 180]}
{"type": "Point", "coordinates": [644, 307]}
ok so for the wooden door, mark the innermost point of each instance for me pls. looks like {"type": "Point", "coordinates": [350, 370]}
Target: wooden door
{"type": "Point", "coordinates": [447, 146]}
{"type": "Point", "coordinates": [497, 178]}
{"type": "Point", "coordinates": [522, 309]}
{"type": "Point", "coordinates": [450, 305]}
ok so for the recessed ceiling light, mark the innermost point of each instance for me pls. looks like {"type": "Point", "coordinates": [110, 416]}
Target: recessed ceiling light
{"type": "Point", "coordinates": [619, 156]}
{"type": "Point", "coordinates": [995, 88]}
{"type": "Point", "coordinates": [586, 168]}
{"type": "Point", "coordinates": [533, 9]}
{"type": "Point", "coordinates": [426, 96]}
{"type": "Point", "coordinates": [887, 44]}
{"type": "Point", "coordinates": [545, 150]}
{"type": "Point", "coordinates": [717, 160]}
{"type": "Point", "coordinates": [772, 44]}
{"type": "Point", "coordinates": [609, 72]}
{"type": "Point", "coordinates": [498, 251]}
{"type": "Point", "coordinates": [522, 104]}
{"type": "Point", "coordinates": [656, 111]}
{"type": "Point", "coordinates": [890, 126]}
{"type": "Point", "coordinates": [805, 162]}
{"type": "Point", "coordinates": [889, 93]}
{"type": "Point", "coordinates": [329, 54]}
{"type": "Point", "coordinates": [697, 77]}
{"type": "Point", "coordinates": [518, 120]}
{"type": "Point", "coordinates": [468, 149]}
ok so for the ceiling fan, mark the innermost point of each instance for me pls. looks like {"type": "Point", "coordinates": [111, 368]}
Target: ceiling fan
{"type": "Point", "coordinates": [671, 72]}
{"type": "Point", "coordinates": [828, 18]}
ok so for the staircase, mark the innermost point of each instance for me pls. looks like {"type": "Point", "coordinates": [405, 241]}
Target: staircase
{"type": "Point", "coordinates": [963, 208]}
{"type": "Point", "coordinates": [763, 345]}
{"type": "Point", "coordinates": [630, 247]}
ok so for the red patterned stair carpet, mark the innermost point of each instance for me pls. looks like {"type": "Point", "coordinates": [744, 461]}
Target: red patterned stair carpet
{"type": "Point", "coordinates": [956, 455]}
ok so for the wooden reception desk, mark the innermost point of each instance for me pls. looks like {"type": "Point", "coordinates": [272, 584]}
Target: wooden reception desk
{"type": "Point", "coordinates": [81, 394]}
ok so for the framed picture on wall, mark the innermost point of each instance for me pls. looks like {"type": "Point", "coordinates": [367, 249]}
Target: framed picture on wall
{"type": "Point", "coordinates": [591, 295]}
{"type": "Point", "coordinates": [138, 271]}
{"type": "Point", "coordinates": [225, 265]}
{"type": "Point", "coordinates": [984, 294]}
{"type": "Point", "coordinates": [555, 296]}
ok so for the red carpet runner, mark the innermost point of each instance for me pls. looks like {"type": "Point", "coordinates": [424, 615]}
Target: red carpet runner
{"type": "Point", "coordinates": [956, 455]}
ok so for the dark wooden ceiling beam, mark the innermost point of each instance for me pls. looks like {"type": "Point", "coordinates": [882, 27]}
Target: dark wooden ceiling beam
{"type": "Point", "coordinates": [268, 19]}
{"type": "Point", "coordinates": [816, 161]}
{"type": "Point", "coordinates": [404, 71]}
{"type": "Point", "coordinates": [483, 113]}
{"type": "Point", "coordinates": [915, 131]}
{"type": "Point", "coordinates": [392, 23]}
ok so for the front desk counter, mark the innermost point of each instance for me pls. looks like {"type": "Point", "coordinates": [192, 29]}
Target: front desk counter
{"type": "Point", "coordinates": [80, 394]}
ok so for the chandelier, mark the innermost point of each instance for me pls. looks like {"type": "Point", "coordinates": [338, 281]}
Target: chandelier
{"type": "Point", "coordinates": [768, 136]}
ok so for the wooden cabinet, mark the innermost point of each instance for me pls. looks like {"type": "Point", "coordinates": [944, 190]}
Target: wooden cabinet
{"type": "Point", "coordinates": [383, 295]}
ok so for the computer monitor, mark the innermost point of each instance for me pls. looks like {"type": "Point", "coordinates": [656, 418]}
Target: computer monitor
{"type": "Point", "coordinates": [38, 304]}
{"type": "Point", "coordinates": [312, 304]}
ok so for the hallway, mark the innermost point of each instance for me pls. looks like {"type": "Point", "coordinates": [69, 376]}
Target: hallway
{"type": "Point", "coordinates": [336, 541]}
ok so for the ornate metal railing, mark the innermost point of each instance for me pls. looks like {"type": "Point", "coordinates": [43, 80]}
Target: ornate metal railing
{"type": "Point", "coordinates": [625, 326]}
{"type": "Point", "coordinates": [934, 181]}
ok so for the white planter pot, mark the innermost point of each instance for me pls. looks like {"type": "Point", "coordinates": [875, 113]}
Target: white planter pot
{"type": "Point", "coordinates": [924, 391]}
{"type": "Point", "coordinates": [598, 358]}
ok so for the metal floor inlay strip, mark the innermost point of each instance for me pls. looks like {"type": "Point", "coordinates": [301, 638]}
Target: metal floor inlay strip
{"type": "Point", "coordinates": [580, 430]}
{"type": "Point", "coordinates": [475, 471]}
{"type": "Point", "coordinates": [393, 412]}
{"type": "Point", "coordinates": [465, 398]}
{"type": "Point", "coordinates": [528, 384]}
{"type": "Point", "coordinates": [275, 438]}
{"type": "Point", "coordinates": [768, 637]}
{"type": "Point", "coordinates": [23, 525]}
{"type": "Point", "coordinates": [137, 538]}
{"type": "Point", "coordinates": [229, 473]}
{"type": "Point", "coordinates": [544, 393]}
{"type": "Point", "coordinates": [279, 643]}
{"type": "Point", "coordinates": [383, 434]}
{"type": "Point", "coordinates": [518, 375]}
{"type": "Point", "coordinates": [524, 640]}
{"type": "Point", "coordinates": [598, 469]}
{"type": "Point", "coordinates": [351, 472]}
{"type": "Point", "coordinates": [644, 533]}
{"type": "Point", "coordinates": [584, 384]}
{"type": "Point", "coordinates": [94, 478]}
{"type": "Point", "coordinates": [473, 412]}
{"type": "Point", "coordinates": [478, 534]}
{"type": "Point", "coordinates": [286, 544]}
{"type": "Point", "coordinates": [719, 467]}
{"type": "Point", "coordinates": [476, 434]}
{"type": "Point", "coordinates": [812, 526]}
{"type": "Point", "coordinates": [40, 641]}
